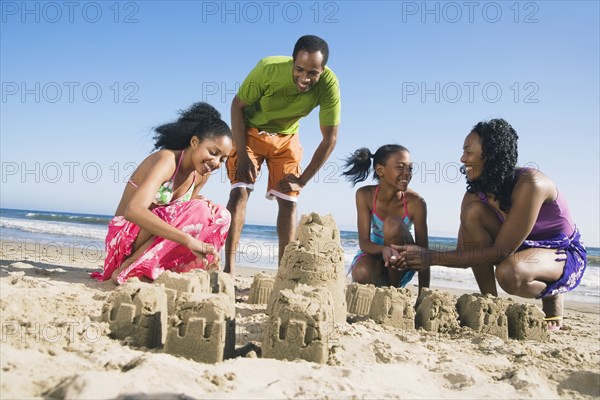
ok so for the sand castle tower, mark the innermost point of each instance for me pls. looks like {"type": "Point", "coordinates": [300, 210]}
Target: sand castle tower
{"type": "Point", "coordinates": [315, 259]}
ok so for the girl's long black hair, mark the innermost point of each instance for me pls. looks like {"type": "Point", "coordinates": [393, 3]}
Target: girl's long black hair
{"type": "Point", "coordinates": [500, 154]}
{"type": "Point", "coordinates": [201, 120]}
{"type": "Point", "coordinates": [359, 163]}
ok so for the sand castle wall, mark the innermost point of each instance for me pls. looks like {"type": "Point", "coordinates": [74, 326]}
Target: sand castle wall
{"type": "Point", "coordinates": [393, 307]}
{"type": "Point", "coordinates": [483, 313]}
{"type": "Point", "coordinates": [436, 311]}
{"type": "Point", "coordinates": [316, 259]}
{"type": "Point", "coordinates": [526, 322]}
{"type": "Point", "coordinates": [195, 281]}
{"type": "Point", "coordinates": [299, 325]}
{"type": "Point", "coordinates": [137, 312]}
{"type": "Point", "coordinates": [202, 328]}
{"type": "Point", "coordinates": [190, 314]}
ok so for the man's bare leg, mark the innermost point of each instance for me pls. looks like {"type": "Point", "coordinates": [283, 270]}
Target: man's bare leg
{"type": "Point", "coordinates": [286, 224]}
{"type": "Point", "coordinates": [238, 199]}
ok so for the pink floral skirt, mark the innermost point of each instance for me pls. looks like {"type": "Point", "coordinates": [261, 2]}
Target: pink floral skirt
{"type": "Point", "coordinates": [195, 217]}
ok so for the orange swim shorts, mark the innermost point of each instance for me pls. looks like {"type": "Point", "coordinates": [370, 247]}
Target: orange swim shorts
{"type": "Point", "coordinates": [282, 153]}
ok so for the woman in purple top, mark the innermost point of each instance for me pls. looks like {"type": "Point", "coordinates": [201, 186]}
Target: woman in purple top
{"type": "Point", "coordinates": [514, 219]}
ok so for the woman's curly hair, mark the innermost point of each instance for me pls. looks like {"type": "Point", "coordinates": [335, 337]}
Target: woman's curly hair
{"type": "Point", "coordinates": [201, 120]}
{"type": "Point", "coordinates": [499, 153]}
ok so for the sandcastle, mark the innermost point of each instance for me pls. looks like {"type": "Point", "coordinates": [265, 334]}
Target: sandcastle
{"type": "Point", "coordinates": [526, 322]}
{"type": "Point", "coordinates": [138, 312]}
{"type": "Point", "coordinates": [393, 307]}
{"type": "Point", "coordinates": [483, 313]}
{"type": "Point", "coordinates": [308, 295]}
{"type": "Point", "coordinates": [300, 325]}
{"type": "Point", "coordinates": [359, 298]}
{"type": "Point", "coordinates": [436, 311]}
{"type": "Point", "coordinates": [261, 288]}
{"type": "Point", "coordinates": [202, 328]}
{"type": "Point", "coordinates": [385, 305]}
{"type": "Point", "coordinates": [190, 314]}
{"type": "Point", "coordinates": [315, 259]}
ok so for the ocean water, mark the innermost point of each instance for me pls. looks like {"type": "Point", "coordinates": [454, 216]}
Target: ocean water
{"type": "Point", "coordinates": [258, 246]}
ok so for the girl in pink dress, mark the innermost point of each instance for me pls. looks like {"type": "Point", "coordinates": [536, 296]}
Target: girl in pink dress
{"type": "Point", "coordinates": [161, 222]}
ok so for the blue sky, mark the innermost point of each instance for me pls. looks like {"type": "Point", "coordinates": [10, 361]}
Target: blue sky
{"type": "Point", "coordinates": [83, 83]}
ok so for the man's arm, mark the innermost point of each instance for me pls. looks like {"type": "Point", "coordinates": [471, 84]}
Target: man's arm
{"type": "Point", "coordinates": [293, 183]}
{"type": "Point", "coordinates": [321, 153]}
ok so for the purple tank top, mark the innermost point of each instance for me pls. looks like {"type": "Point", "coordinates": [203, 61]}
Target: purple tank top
{"type": "Point", "coordinates": [554, 218]}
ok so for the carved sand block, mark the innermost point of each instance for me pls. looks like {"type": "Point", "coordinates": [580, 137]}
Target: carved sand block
{"type": "Point", "coordinates": [221, 282]}
{"type": "Point", "coordinates": [359, 298]}
{"type": "Point", "coordinates": [176, 284]}
{"type": "Point", "coordinates": [261, 288]}
{"type": "Point", "coordinates": [436, 311]}
{"type": "Point", "coordinates": [204, 328]}
{"type": "Point", "coordinates": [526, 322]}
{"type": "Point", "coordinates": [483, 313]}
{"type": "Point", "coordinates": [137, 311]}
{"type": "Point", "coordinates": [300, 325]}
{"type": "Point", "coordinates": [393, 307]}
{"type": "Point", "coordinates": [315, 259]}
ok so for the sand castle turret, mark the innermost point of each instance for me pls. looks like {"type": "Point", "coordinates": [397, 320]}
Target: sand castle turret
{"type": "Point", "coordinates": [316, 259]}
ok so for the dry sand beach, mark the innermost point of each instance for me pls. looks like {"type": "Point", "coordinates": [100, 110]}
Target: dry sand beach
{"type": "Point", "coordinates": [55, 345]}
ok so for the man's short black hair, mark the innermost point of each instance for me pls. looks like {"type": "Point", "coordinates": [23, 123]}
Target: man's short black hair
{"type": "Point", "coordinates": [312, 44]}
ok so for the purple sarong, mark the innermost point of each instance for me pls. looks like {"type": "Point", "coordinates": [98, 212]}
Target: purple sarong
{"type": "Point", "coordinates": [575, 262]}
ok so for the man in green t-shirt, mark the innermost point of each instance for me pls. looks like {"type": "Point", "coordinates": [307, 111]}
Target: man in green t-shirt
{"type": "Point", "coordinates": [265, 116]}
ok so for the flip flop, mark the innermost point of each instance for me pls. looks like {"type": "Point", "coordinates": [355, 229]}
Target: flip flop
{"type": "Point", "coordinates": [552, 327]}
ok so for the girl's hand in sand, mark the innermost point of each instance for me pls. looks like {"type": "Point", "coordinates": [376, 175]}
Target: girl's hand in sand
{"type": "Point", "coordinates": [203, 250]}
{"type": "Point", "coordinates": [391, 257]}
{"type": "Point", "coordinates": [414, 257]}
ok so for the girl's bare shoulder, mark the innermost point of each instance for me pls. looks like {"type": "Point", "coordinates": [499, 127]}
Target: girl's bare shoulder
{"type": "Point", "coordinates": [413, 196]}
{"type": "Point", "coordinates": [368, 190]}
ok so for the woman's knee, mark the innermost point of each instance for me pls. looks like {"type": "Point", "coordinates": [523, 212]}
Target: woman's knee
{"type": "Point", "coordinates": [473, 212]}
{"type": "Point", "coordinates": [508, 277]}
{"type": "Point", "coordinates": [361, 274]}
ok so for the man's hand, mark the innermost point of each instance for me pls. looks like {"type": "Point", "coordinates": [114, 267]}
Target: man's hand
{"type": "Point", "coordinates": [414, 257]}
{"type": "Point", "coordinates": [246, 170]}
{"type": "Point", "coordinates": [291, 183]}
